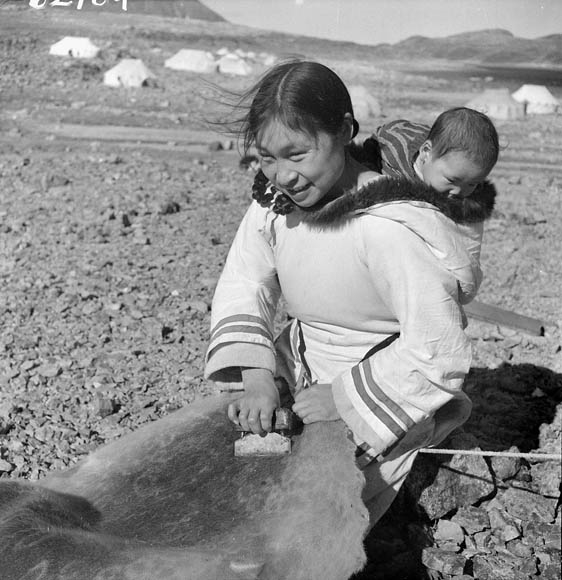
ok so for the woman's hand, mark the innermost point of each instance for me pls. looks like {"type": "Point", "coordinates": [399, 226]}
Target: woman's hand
{"type": "Point", "coordinates": [254, 410]}
{"type": "Point", "coordinates": [316, 404]}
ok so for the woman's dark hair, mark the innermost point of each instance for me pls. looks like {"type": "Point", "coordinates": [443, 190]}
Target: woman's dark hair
{"type": "Point", "coordinates": [303, 95]}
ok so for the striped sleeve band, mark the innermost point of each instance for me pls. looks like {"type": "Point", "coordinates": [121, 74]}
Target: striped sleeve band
{"type": "Point", "coordinates": [241, 328]}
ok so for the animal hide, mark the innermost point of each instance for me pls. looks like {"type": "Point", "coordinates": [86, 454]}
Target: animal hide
{"type": "Point", "coordinates": [170, 501]}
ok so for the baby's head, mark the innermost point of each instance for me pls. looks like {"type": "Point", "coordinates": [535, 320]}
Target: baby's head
{"type": "Point", "coordinates": [460, 151]}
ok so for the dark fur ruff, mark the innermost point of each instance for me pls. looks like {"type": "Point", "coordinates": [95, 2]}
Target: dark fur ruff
{"type": "Point", "coordinates": [476, 208]}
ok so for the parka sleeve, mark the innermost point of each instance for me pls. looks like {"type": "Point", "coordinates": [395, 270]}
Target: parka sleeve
{"type": "Point", "coordinates": [244, 304]}
{"type": "Point", "coordinates": [387, 394]}
{"type": "Point", "coordinates": [472, 234]}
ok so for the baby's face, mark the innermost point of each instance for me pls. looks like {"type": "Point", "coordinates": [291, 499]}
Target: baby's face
{"type": "Point", "coordinates": [453, 173]}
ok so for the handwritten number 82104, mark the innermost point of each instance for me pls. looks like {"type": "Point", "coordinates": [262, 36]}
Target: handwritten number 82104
{"type": "Point", "coordinates": [79, 3]}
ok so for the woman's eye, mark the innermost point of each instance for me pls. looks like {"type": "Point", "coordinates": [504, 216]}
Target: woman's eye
{"type": "Point", "coordinates": [297, 156]}
{"type": "Point", "coordinates": [266, 158]}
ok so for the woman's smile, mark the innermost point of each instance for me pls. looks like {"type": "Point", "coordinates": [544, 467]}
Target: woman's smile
{"type": "Point", "coordinates": [303, 166]}
{"type": "Point", "coordinates": [298, 194]}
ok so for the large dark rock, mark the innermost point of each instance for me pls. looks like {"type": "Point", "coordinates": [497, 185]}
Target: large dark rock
{"type": "Point", "coordinates": [442, 484]}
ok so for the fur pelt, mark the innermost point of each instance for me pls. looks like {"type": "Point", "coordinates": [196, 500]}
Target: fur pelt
{"type": "Point", "coordinates": [170, 501]}
{"type": "Point", "coordinates": [475, 208]}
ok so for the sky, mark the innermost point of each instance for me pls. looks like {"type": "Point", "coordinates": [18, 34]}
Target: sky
{"type": "Point", "coordinates": [378, 21]}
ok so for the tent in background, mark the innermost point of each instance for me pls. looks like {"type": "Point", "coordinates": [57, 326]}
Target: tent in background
{"type": "Point", "coordinates": [232, 64]}
{"type": "Point", "coordinates": [188, 59]}
{"type": "Point", "coordinates": [130, 72]}
{"type": "Point", "coordinates": [75, 47]}
{"type": "Point", "coordinates": [365, 105]}
{"type": "Point", "coordinates": [497, 104]}
{"type": "Point", "coordinates": [538, 100]}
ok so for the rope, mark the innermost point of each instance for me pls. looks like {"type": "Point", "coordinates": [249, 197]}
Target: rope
{"type": "Point", "coordinates": [541, 456]}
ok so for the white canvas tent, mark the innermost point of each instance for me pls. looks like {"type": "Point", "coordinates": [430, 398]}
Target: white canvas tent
{"type": "Point", "coordinates": [365, 105]}
{"type": "Point", "coordinates": [232, 64]}
{"type": "Point", "coordinates": [130, 72]}
{"type": "Point", "coordinates": [538, 100]}
{"type": "Point", "coordinates": [497, 104]}
{"type": "Point", "coordinates": [75, 46]}
{"type": "Point", "coordinates": [188, 59]}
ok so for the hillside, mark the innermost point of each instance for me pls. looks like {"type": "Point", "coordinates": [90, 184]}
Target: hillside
{"type": "Point", "coordinates": [168, 8]}
{"type": "Point", "coordinates": [487, 47]}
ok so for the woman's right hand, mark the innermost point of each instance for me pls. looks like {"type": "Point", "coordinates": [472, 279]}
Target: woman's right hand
{"type": "Point", "coordinates": [254, 410]}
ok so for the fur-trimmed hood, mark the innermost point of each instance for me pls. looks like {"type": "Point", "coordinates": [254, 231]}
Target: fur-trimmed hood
{"type": "Point", "coordinates": [446, 225]}
{"type": "Point", "coordinates": [469, 210]}
{"type": "Point", "coordinates": [449, 226]}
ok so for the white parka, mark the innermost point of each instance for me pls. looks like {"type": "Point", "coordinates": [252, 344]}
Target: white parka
{"type": "Point", "coordinates": [364, 270]}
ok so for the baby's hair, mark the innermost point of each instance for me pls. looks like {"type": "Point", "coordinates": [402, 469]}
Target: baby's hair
{"type": "Point", "coordinates": [468, 131]}
{"type": "Point", "coordinates": [303, 95]}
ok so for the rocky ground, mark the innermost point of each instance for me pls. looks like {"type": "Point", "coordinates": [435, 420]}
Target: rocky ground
{"type": "Point", "coordinates": [110, 248]}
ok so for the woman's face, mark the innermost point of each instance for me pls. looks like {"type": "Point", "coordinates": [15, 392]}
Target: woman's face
{"type": "Point", "coordinates": [305, 167]}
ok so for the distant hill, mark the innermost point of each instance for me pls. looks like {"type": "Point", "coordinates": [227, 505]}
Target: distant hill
{"type": "Point", "coordinates": [172, 8]}
{"type": "Point", "coordinates": [486, 46]}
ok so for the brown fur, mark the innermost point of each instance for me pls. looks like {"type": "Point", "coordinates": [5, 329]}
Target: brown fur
{"type": "Point", "coordinates": [171, 501]}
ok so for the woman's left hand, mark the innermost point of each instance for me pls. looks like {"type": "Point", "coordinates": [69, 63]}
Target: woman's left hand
{"type": "Point", "coordinates": [316, 404]}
